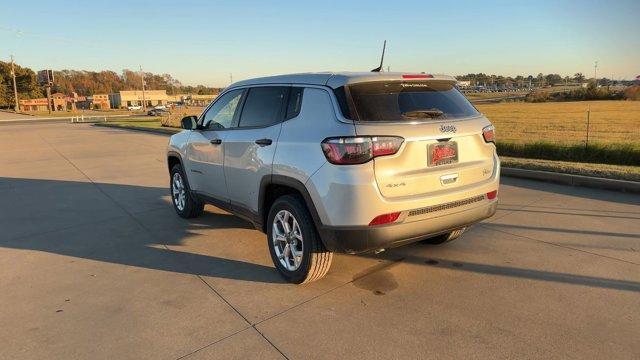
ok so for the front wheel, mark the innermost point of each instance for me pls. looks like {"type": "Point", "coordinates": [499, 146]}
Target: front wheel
{"type": "Point", "coordinates": [294, 244]}
{"type": "Point", "coordinates": [183, 202]}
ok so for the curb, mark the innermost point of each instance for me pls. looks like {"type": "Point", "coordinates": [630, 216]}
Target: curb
{"type": "Point", "coordinates": [160, 131]}
{"type": "Point", "coordinates": [573, 180]}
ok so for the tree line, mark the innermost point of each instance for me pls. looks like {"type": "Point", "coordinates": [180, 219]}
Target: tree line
{"type": "Point", "coordinates": [86, 83]}
{"type": "Point", "coordinates": [522, 81]}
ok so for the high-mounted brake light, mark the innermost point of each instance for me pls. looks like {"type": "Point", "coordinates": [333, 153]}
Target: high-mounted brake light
{"type": "Point", "coordinates": [489, 134]}
{"type": "Point", "coordinates": [384, 219]}
{"type": "Point", "coordinates": [359, 150]}
{"type": "Point", "coordinates": [417, 76]}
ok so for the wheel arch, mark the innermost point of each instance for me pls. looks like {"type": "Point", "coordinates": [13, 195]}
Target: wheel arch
{"type": "Point", "coordinates": [174, 158]}
{"type": "Point", "coordinates": [274, 186]}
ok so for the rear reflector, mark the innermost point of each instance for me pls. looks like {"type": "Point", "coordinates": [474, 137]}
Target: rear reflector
{"type": "Point", "coordinates": [417, 76]}
{"type": "Point", "coordinates": [385, 219]}
{"type": "Point", "coordinates": [492, 195]}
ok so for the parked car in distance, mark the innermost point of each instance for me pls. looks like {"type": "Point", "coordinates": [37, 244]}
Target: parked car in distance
{"type": "Point", "coordinates": [338, 162]}
{"type": "Point", "coordinates": [134, 107]}
{"type": "Point", "coordinates": [158, 112]}
{"type": "Point", "coordinates": [160, 107]}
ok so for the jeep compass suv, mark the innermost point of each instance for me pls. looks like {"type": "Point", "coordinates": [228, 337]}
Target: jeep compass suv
{"type": "Point", "coordinates": [338, 162]}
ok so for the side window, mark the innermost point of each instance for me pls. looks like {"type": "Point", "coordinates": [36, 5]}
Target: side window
{"type": "Point", "coordinates": [220, 115]}
{"type": "Point", "coordinates": [263, 106]}
{"type": "Point", "coordinates": [295, 102]}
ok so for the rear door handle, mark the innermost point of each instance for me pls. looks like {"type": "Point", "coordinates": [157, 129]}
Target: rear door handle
{"type": "Point", "coordinates": [216, 141]}
{"type": "Point", "coordinates": [264, 142]}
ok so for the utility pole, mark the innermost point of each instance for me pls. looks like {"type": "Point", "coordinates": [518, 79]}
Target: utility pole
{"type": "Point", "coordinates": [15, 88]}
{"type": "Point", "coordinates": [144, 100]}
{"type": "Point", "coordinates": [230, 78]}
{"type": "Point", "coordinates": [595, 72]}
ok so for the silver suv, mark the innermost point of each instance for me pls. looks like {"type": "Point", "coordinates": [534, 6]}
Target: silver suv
{"type": "Point", "coordinates": [339, 162]}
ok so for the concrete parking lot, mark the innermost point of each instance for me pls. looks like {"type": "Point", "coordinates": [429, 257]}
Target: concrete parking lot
{"type": "Point", "coordinates": [95, 264]}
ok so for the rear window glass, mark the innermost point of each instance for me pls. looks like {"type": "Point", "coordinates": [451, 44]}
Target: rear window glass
{"type": "Point", "coordinates": [263, 106]}
{"type": "Point", "coordinates": [409, 101]}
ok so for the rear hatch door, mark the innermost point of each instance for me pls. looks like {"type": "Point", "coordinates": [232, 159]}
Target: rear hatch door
{"type": "Point", "coordinates": [443, 147]}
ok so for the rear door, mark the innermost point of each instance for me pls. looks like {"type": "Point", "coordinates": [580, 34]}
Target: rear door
{"type": "Point", "coordinates": [443, 147]}
{"type": "Point", "coordinates": [250, 146]}
{"type": "Point", "coordinates": [205, 152]}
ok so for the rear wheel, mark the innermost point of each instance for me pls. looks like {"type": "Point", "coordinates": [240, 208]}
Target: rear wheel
{"type": "Point", "coordinates": [294, 244]}
{"type": "Point", "coordinates": [443, 238]}
{"type": "Point", "coordinates": [183, 202]}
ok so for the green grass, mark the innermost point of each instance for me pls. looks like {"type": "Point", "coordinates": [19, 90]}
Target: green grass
{"type": "Point", "coordinates": [618, 172]}
{"type": "Point", "coordinates": [603, 153]}
{"type": "Point", "coordinates": [140, 124]}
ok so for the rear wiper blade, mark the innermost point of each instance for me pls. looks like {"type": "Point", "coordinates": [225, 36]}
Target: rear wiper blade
{"type": "Point", "coordinates": [431, 113]}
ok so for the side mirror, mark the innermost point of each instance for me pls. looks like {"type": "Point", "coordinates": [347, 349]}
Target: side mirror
{"type": "Point", "coordinates": [189, 122]}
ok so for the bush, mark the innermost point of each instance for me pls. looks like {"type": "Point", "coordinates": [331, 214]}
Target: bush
{"type": "Point", "coordinates": [632, 93]}
{"type": "Point", "coordinates": [537, 96]}
{"type": "Point", "coordinates": [175, 118]}
{"type": "Point", "coordinates": [609, 153]}
{"type": "Point", "coordinates": [589, 93]}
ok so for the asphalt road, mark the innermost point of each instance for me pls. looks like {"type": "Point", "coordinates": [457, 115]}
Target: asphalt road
{"type": "Point", "coordinates": [94, 264]}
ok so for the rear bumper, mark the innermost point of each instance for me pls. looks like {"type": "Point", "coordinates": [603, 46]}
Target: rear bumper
{"type": "Point", "coordinates": [362, 239]}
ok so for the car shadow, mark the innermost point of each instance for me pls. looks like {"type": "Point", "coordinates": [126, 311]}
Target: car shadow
{"type": "Point", "coordinates": [100, 222]}
{"type": "Point", "coordinates": [106, 222]}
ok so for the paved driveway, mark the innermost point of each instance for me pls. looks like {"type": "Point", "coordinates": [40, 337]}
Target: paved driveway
{"type": "Point", "coordinates": [95, 264]}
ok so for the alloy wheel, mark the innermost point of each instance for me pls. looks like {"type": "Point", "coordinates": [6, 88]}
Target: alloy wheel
{"type": "Point", "coordinates": [287, 240]}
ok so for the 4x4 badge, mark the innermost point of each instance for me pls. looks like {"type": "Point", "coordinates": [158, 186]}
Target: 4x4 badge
{"type": "Point", "coordinates": [448, 128]}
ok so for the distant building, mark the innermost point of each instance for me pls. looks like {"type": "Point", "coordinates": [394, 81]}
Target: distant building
{"type": "Point", "coordinates": [464, 83]}
{"type": "Point", "coordinates": [33, 105]}
{"type": "Point", "coordinates": [134, 97]}
{"type": "Point", "coordinates": [192, 99]}
{"type": "Point", "coordinates": [100, 101]}
{"type": "Point", "coordinates": [59, 102]}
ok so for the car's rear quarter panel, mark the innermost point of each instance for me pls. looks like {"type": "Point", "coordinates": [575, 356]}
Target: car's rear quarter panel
{"type": "Point", "coordinates": [299, 153]}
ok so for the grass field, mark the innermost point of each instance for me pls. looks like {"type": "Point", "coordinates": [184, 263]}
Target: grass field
{"type": "Point", "coordinates": [558, 130]}
{"type": "Point", "coordinates": [565, 122]}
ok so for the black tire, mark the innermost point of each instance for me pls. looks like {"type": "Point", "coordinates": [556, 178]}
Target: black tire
{"type": "Point", "coordinates": [192, 207]}
{"type": "Point", "coordinates": [443, 238]}
{"type": "Point", "coordinates": [316, 259]}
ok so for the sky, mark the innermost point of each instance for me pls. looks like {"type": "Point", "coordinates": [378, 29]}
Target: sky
{"type": "Point", "coordinates": [207, 42]}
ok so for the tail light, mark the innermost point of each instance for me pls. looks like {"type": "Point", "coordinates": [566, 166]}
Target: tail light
{"type": "Point", "coordinates": [385, 219]}
{"type": "Point", "coordinates": [489, 134]}
{"type": "Point", "coordinates": [417, 76]}
{"type": "Point", "coordinates": [492, 194]}
{"type": "Point", "coordinates": [359, 150]}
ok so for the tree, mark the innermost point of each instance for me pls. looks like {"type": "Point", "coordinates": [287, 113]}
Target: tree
{"type": "Point", "coordinates": [26, 83]}
{"type": "Point", "coordinates": [578, 77]}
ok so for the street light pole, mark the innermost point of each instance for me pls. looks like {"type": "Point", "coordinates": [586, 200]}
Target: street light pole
{"type": "Point", "coordinates": [15, 88]}
{"type": "Point", "coordinates": [144, 101]}
{"type": "Point", "coordinates": [595, 72]}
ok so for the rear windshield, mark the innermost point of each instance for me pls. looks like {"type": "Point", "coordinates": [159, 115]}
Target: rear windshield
{"type": "Point", "coordinates": [408, 101]}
